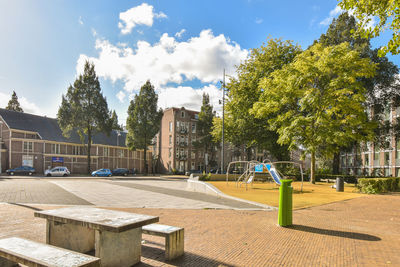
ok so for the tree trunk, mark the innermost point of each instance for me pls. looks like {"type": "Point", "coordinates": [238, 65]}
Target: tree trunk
{"type": "Point", "coordinates": [312, 173]}
{"type": "Point", "coordinates": [145, 160]}
{"type": "Point", "coordinates": [335, 163]}
{"type": "Point", "coordinates": [89, 146]}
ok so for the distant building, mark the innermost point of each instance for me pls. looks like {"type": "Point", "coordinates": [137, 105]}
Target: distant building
{"type": "Point", "coordinates": [37, 141]}
{"type": "Point", "coordinates": [175, 147]}
{"type": "Point", "coordinates": [375, 159]}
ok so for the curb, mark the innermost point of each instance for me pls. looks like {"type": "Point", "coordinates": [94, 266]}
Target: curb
{"type": "Point", "coordinates": [206, 188]}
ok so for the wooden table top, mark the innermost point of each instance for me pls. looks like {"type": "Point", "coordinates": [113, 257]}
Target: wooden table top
{"type": "Point", "coordinates": [98, 219]}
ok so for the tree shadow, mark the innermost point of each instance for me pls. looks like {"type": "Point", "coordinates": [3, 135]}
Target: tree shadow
{"type": "Point", "coordinates": [187, 259]}
{"type": "Point", "coordinates": [321, 231]}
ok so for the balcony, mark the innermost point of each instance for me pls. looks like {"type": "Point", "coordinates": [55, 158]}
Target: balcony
{"type": "Point", "coordinates": [183, 130]}
{"type": "Point", "coordinates": [182, 157]}
{"type": "Point", "coordinates": [183, 144]}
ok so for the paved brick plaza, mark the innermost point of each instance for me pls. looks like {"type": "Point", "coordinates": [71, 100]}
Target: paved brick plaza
{"type": "Point", "coordinates": [358, 232]}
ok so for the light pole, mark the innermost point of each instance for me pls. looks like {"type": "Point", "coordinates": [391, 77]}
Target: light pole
{"type": "Point", "coordinates": [1, 144]}
{"type": "Point", "coordinates": [223, 122]}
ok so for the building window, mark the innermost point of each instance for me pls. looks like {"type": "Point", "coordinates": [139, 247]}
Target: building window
{"type": "Point", "coordinates": [387, 159]}
{"type": "Point", "coordinates": [193, 127]}
{"type": "Point", "coordinates": [55, 148]}
{"type": "Point", "coordinates": [196, 116]}
{"type": "Point", "coordinates": [106, 152]}
{"type": "Point", "coordinates": [193, 155]}
{"type": "Point", "coordinates": [376, 159]}
{"type": "Point", "coordinates": [192, 165]}
{"type": "Point", "coordinates": [193, 139]}
{"type": "Point", "coordinates": [28, 147]}
{"type": "Point", "coordinates": [170, 139]}
{"type": "Point", "coordinates": [27, 160]}
{"type": "Point", "coordinates": [170, 126]}
{"type": "Point", "coordinates": [177, 139]}
{"type": "Point", "coordinates": [169, 152]}
{"type": "Point", "coordinates": [183, 114]}
{"type": "Point", "coordinates": [77, 150]}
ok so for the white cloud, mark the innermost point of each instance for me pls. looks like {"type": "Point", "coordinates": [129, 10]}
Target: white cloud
{"type": "Point", "coordinates": [258, 21]}
{"type": "Point", "coordinates": [27, 106]}
{"type": "Point", "coordinates": [139, 15]}
{"type": "Point", "coordinates": [188, 97]}
{"type": "Point", "coordinates": [167, 61]}
{"type": "Point", "coordinates": [121, 96]}
{"type": "Point", "coordinates": [180, 33]}
{"type": "Point", "coordinates": [332, 14]}
{"type": "Point", "coordinates": [80, 20]}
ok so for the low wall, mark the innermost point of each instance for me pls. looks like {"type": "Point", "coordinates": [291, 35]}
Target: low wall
{"type": "Point", "coordinates": [202, 187]}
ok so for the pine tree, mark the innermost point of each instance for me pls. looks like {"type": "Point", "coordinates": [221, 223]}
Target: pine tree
{"type": "Point", "coordinates": [13, 104]}
{"type": "Point", "coordinates": [143, 120]}
{"type": "Point", "coordinates": [205, 139]}
{"type": "Point", "coordinates": [114, 121]}
{"type": "Point", "coordinates": [84, 109]}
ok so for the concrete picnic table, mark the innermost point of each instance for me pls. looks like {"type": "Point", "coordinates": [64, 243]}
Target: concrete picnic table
{"type": "Point", "coordinates": [114, 235]}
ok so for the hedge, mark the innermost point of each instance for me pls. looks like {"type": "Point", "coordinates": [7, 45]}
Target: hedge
{"type": "Point", "coordinates": [379, 185]}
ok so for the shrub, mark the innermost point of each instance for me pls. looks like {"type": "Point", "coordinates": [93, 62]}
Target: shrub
{"type": "Point", "coordinates": [378, 185]}
{"type": "Point", "coordinates": [205, 177]}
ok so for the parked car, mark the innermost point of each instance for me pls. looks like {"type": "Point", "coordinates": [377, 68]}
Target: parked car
{"type": "Point", "coordinates": [120, 172]}
{"type": "Point", "coordinates": [102, 172]}
{"type": "Point", "coordinates": [23, 170]}
{"type": "Point", "coordinates": [57, 171]}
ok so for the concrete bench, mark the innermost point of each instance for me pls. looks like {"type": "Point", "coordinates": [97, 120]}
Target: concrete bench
{"type": "Point", "coordinates": [18, 250]}
{"type": "Point", "coordinates": [174, 238]}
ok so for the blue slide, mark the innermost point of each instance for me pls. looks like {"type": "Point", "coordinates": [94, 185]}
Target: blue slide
{"type": "Point", "coordinates": [275, 175]}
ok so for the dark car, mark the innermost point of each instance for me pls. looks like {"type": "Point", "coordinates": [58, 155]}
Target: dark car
{"type": "Point", "coordinates": [23, 170]}
{"type": "Point", "coordinates": [120, 172]}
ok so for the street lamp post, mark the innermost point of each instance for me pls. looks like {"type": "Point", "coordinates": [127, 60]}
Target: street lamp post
{"type": "Point", "coordinates": [223, 126]}
{"type": "Point", "coordinates": [1, 144]}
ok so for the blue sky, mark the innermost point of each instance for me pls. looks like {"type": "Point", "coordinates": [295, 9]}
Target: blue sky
{"type": "Point", "coordinates": [181, 46]}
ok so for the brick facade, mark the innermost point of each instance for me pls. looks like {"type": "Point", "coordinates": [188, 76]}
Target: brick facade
{"type": "Point", "coordinates": [19, 147]}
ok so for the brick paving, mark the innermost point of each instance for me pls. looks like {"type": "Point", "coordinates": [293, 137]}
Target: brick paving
{"type": "Point", "coordinates": [359, 232]}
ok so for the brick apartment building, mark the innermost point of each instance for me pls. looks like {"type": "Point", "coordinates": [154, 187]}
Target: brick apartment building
{"type": "Point", "coordinates": [177, 133]}
{"type": "Point", "coordinates": [37, 141]}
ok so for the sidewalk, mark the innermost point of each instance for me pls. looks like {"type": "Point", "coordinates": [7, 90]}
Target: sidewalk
{"type": "Point", "coordinates": [358, 232]}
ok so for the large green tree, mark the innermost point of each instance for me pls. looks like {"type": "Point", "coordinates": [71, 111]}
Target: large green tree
{"type": "Point", "coordinates": [204, 128]}
{"type": "Point", "coordinates": [388, 14]}
{"type": "Point", "coordinates": [143, 120]}
{"type": "Point", "coordinates": [13, 104]}
{"type": "Point", "coordinates": [381, 88]}
{"type": "Point", "coordinates": [240, 126]}
{"type": "Point", "coordinates": [317, 100]}
{"type": "Point", "coordinates": [84, 109]}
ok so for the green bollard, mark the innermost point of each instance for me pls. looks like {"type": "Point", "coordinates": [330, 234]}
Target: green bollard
{"type": "Point", "coordinates": [285, 203]}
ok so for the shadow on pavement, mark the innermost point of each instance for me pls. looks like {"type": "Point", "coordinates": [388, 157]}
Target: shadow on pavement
{"type": "Point", "coordinates": [188, 259]}
{"type": "Point", "coordinates": [25, 206]}
{"type": "Point", "coordinates": [351, 235]}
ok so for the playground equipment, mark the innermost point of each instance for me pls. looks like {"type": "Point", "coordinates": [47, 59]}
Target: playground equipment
{"type": "Point", "coordinates": [250, 168]}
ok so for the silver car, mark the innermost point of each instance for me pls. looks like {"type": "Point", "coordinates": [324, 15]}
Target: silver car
{"type": "Point", "coordinates": [57, 171]}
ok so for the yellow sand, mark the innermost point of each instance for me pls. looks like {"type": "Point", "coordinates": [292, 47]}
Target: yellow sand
{"type": "Point", "coordinates": [268, 193]}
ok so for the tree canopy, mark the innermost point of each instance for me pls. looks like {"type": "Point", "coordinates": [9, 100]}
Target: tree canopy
{"type": "Point", "coordinates": [318, 99]}
{"type": "Point", "coordinates": [143, 120]}
{"type": "Point", "coordinates": [241, 126]}
{"type": "Point", "coordinates": [388, 14]}
{"type": "Point", "coordinates": [13, 104]}
{"type": "Point", "coordinates": [84, 109]}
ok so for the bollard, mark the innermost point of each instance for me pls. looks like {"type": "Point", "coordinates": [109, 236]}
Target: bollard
{"type": "Point", "coordinates": [339, 184]}
{"type": "Point", "coordinates": [285, 203]}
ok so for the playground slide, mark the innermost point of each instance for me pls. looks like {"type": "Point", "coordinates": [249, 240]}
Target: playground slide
{"type": "Point", "coordinates": [275, 175]}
